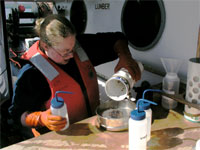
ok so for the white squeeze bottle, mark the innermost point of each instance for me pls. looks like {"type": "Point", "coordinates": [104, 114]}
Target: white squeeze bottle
{"type": "Point", "coordinates": [138, 128]}
{"type": "Point", "coordinates": [146, 107]}
{"type": "Point", "coordinates": [59, 108]}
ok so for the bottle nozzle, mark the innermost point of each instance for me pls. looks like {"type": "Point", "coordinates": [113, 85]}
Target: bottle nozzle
{"type": "Point", "coordinates": [150, 90]}
{"type": "Point", "coordinates": [57, 92]}
{"type": "Point", "coordinates": [145, 100]}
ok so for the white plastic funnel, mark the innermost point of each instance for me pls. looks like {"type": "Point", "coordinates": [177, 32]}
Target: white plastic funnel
{"type": "Point", "coordinates": [171, 65]}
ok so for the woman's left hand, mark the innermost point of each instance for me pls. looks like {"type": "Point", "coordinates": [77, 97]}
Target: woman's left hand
{"type": "Point", "coordinates": [131, 65]}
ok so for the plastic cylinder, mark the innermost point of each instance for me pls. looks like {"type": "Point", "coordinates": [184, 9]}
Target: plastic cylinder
{"type": "Point", "coordinates": [193, 90]}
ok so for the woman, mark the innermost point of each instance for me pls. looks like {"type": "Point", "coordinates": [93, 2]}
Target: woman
{"type": "Point", "coordinates": [64, 61]}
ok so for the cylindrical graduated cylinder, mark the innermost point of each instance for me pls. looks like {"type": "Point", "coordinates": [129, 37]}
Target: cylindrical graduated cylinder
{"type": "Point", "coordinates": [193, 90]}
{"type": "Point", "coordinates": [137, 131]}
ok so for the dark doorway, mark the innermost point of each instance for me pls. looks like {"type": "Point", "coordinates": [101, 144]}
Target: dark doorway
{"type": "Point", "coordinates": [78, 15]}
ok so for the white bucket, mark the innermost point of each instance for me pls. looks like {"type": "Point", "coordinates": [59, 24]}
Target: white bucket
{"type": "Point", "coordinates": [119, 85]}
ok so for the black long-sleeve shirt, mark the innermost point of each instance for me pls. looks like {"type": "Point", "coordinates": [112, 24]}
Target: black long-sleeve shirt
{"type": "Point", "coordinates": [31, 90]}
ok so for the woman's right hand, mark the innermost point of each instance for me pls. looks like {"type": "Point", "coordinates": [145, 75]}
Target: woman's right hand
{"type": "Point", "coordinates": [45, 118]}
{"type": "Point", "coordinates": [52, 122]}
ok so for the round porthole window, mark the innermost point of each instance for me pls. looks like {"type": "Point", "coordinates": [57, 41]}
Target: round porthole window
{"type": "Point", "coordinates": [143, 22]}
{"type": "Point", "coordinates": [78, 15]}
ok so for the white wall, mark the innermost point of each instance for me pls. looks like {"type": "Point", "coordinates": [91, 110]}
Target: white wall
{"type": "Point", "coordinates": [179, 39]}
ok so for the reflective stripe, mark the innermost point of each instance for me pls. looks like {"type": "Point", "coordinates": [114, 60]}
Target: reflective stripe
{"type": "Point", "coordinates": [44, 66]}
{"type": "Point", "coordinates": [81, 53]}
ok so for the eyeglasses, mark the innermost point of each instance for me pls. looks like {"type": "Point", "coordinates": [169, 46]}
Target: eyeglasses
{"type": "Point", "coordinates": [66, 53]}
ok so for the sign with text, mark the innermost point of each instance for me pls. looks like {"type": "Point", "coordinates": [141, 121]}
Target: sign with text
{"type": "Point", "coordinates": [102, 6]}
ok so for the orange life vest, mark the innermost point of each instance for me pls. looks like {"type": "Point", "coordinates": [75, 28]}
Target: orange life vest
{"type": "Point", "coordinates": [59, 80]}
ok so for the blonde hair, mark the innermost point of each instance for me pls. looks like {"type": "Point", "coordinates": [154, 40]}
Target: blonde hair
{"type": "Point", "coordinates": [53, 29]}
